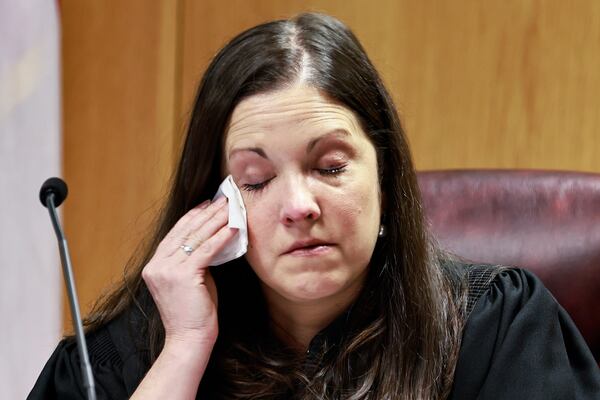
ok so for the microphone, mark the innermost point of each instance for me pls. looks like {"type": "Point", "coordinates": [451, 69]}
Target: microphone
{"type": "Point", "coordinates": [55, 186]}
{"type": "Point", "coordinates": [53, 192]}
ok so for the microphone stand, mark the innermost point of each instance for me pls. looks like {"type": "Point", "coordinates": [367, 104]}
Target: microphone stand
{"type": "Point", "coordinates": [86, 368]}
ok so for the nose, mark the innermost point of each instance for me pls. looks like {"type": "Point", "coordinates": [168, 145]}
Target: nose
{"type": "Point", "coordinates": [298, 203]}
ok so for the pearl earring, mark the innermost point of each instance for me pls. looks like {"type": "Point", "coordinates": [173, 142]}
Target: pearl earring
{"type": "Point", "coordinates": [382, 231]}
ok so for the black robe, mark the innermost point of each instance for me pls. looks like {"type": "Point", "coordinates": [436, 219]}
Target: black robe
{"type": "Point", "coordinates": [518, 343]}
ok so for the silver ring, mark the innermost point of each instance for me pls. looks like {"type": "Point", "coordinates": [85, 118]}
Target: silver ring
{"type": "Point", "coordinates": [186, 249]}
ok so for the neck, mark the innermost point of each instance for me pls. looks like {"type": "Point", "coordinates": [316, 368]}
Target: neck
{"type": "Point", "coordinates": [296, 323]}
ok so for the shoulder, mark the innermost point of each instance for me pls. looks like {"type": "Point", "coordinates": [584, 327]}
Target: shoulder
{"type": "Point", "coordinates": [509, 288]}
{"type": "Point", "coordinates": [485, 281]}
{"type": "Point", "coordinates": [500, 283]}
{"type": "Point", "coordinates": [518, 333]}
{"type": "Point", "coordinates": [116, 358]}
{"type": "Point", "coordinates": [477, 278]}
{"type": "Point", "coordinates": [120, 343]}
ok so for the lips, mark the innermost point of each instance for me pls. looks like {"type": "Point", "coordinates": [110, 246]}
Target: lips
{"type": "Point", "coordinates": [308, 243]}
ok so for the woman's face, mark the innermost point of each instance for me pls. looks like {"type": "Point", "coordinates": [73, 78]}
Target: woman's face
{"type": "Point", "coordinates": [306, 171]}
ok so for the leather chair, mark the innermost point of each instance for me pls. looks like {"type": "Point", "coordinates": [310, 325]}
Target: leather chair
{"type": "Point", "coordinates": [547, 222]}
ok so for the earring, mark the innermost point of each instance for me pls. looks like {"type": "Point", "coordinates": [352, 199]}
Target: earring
{"type": "Point", "coordinates": [382, 231]}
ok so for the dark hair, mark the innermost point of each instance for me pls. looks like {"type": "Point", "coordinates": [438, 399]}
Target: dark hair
{"type": "Point", "coordinates": [402, 335]}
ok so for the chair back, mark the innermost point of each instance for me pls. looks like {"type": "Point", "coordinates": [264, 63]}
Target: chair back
{"type": "Point", "coordinates": [547, 222]}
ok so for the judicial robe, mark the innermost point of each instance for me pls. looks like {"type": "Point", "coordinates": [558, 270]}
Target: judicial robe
{"type": "Point", "coordinates": [518, 343]}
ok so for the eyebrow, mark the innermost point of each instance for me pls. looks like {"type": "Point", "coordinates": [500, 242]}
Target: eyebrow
{"type": "Point", "coordinates": [309, 147]}
{"type": "Point", "coordinates": [256, 150]}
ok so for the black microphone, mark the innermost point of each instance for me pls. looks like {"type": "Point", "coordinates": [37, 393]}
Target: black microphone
{"type": "Point", "coordinates": [55, 186]}
{"type": "Point", "coordinates": [53, 192]}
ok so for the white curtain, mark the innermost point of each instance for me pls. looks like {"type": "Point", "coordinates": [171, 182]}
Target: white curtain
{"type": "Point", "coordinates": [30, 151]}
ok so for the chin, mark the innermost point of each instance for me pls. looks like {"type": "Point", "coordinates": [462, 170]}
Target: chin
{"type": "Point", "coordinates": [311, 286]}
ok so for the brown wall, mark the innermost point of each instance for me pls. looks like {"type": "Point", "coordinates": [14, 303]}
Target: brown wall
{"type": "Point", "coordinates": [119, 111]}
{"type": "Point", "coordinates": [509, 84]}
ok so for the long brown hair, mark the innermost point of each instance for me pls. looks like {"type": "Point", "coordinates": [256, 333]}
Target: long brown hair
{"type": "Point", "coordinates": [401, 337]}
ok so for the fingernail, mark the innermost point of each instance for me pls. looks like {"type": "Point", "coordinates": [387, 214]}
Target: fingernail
{"type": "Point", "coordinates": [205, 204]}
{"type": "Point", "coordinates": [221, 200]}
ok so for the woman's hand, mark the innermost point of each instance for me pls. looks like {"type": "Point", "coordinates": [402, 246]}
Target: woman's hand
{"type": "Point", "coordinates": [186, 297]}
{"type": "Point", "coordinates": [181, 284]}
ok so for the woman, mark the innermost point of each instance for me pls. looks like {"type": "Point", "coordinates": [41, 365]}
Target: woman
{"type": "Point", "coordinates": [341, 294]}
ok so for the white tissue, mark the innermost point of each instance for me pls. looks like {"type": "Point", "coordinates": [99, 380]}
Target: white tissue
{"type": "Point", "coordinates": [238, 245]}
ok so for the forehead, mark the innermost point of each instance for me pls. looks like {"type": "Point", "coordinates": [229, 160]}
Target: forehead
{"type": "Point", "coordinates": [299, 109]}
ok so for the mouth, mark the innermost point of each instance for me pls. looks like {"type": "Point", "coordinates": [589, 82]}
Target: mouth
{"type": "Point", "coordinates": [310, 250]}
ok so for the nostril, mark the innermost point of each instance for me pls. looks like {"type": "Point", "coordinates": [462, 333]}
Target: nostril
{"type": "Point", "coordinates": [295, 212]}
{"type": "Point", "coordinates": [290, 218]}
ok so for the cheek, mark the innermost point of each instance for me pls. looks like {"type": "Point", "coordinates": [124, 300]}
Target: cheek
{"type": "Point", "coordinates": [257, 229]}
{"type": "Point", "coordinates": [355, 212]}
{"type": "Point", "coordinates": [262, 221]}
{"type": "Point", "coordinates": [358, 217]}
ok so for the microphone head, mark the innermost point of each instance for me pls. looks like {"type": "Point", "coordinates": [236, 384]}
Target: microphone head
{"type": "Point", "coordinates": [55, 186]}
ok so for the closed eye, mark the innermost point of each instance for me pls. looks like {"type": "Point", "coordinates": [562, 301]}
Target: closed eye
{"type": "Point", "coordinates": [333, 171]}
{"type": "Point", "coordinates": [255, 187]}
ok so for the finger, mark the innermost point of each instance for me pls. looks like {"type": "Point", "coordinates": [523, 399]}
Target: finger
{"type": "Point", "coordinates": [196, 233]}
{"type": "Point", "coordinates": [192, 221]}
{"type": "Point", "coordinates": [204, 233]}
{"type": "Point", "coordinates": [203, 255]}
{"type": "Point", "coordinates": [188, 224]}
{"type": "Point", "coordinates": [179, 230]}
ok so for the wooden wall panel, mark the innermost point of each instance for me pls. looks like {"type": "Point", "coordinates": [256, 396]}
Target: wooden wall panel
{"type": "Point", "coordinates": [120, 96]}
{"type": "Point", "coordinates": [509, 84]}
